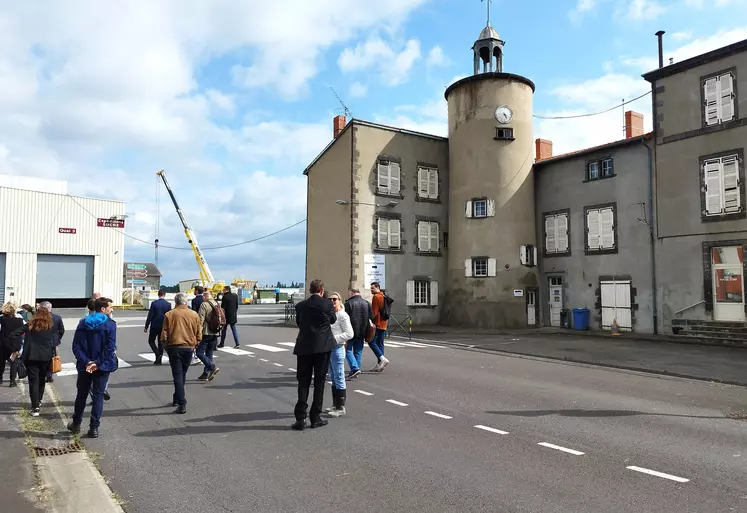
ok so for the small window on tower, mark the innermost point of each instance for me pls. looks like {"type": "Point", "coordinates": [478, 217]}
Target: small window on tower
{"type": "Point", "coordinates": [504, 134]}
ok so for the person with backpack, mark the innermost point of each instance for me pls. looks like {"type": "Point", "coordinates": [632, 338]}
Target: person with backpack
{"type": "Point", "coordinates": [213, 318]}
{"type": "Point", "coordinates": [381, 307]}
{"type": "Point", "coordinates": [181, 333]}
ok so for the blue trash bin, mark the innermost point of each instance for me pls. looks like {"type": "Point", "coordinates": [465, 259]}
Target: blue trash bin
{"type": "Point", "coordinates": [581, 319]}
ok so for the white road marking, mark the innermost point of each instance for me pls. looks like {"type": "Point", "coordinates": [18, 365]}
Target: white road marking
{"type": "Point", "coordinates": [439, 415]}
{"type": "Point", "coordinates": [362, 392]}
{"type": "Point", "coordinates": [396, 402]}
{"type": "Point", "coordinates": [289, 344]}
{"type": "Point", "coordinates": [659, 474]}
{"type": "Point", "coordinates": [263, 360]}
{"type": "Point", "coordinates": [291, 369]}
{"type": "Point", "coordinates": [278, 364]}
{"type": "Point", "coordinates": [271, 349]}
{"type": "Point", "coordinates": [394, 344]}
{"type": "Point", "coordinates": [492, 430]}
{"type": "Point", "coordinates": [236, 352]}
{"type": "Point", "coordinates": [152, 358]}
{"type": "Point", "coordinates": [412, 343]}
{"type": "Point", "coordinates": [559, 448]}
{"type": "Point", "coordinates": [123, 364]}
{"type": "Point", "coordinates": [68, 369]}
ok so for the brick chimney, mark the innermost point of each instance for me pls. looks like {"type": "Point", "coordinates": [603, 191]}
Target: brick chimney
{"type": "Point", "coordinates": [338, 124]}
{"type": "Point", "coordinates": [633, 124]}
{"type": "Point", "coordinates": [543, 149]}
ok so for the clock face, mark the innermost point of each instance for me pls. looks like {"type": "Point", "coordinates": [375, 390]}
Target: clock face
{"type": "Point", "coordinates": [503, 114]}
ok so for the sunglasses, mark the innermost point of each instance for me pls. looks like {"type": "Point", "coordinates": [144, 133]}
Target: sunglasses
{"type": "Point", "coordinates": [335, 298]}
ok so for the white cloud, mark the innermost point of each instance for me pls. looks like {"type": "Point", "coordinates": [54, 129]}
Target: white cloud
{"type": "Point", "coordinates": [636, 10]}
{"type": "Point", "coordinates": [682, 36]}
{"type": "Point", "coordinates": [376, 54]}
{"type": "Point", "coordinates": [582, 7]}
{"type": "Point", "coordinates": [437, 57]}
{"type": "Point", "coordinates": [639, 10]}
{"type": "Point", "coordinates": [221, 100]}
{"type": "Point", "coordinates": [358, 90]}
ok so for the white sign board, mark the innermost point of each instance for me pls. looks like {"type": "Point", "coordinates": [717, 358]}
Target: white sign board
{"type": "Point", "coordinates": [518, 292]}
{"type": "Point", "coordinates": [374, 270]}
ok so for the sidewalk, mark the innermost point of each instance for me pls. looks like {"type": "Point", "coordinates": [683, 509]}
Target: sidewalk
{"type": "Point", "coordinates": [711, 363]}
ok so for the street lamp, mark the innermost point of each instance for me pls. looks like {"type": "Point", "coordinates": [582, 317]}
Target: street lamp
{"type": "Point", "coordinates": [379, 205]}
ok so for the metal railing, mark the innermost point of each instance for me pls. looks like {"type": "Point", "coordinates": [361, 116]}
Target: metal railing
{"type": "Point", "coordinates": [404, 323]}
{"type": "Point", "coordinates": [689, 307]}
{"type": "Point", "coordinates": [290, 314]}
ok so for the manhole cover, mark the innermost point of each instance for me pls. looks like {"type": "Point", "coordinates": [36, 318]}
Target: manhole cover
{"type": "Point", "coordinates": [58, 451]}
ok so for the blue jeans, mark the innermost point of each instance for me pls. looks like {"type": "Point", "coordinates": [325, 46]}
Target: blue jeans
{"type": "Point", "coordinates": [95, 383]}
{"type": "Point", "coordinates": [377, 343]}
{"type": "Point", "coordinates": [337, 367]}
{"type": "Point", "coordinates": [233, 330]}
{"type": "Point", "coordinates": [106, 386]}
{"type": "Point", "coordinates": [180, 358]}
{"type": "Point", "coordinates": [205, 352]}
{"type": "Point", "coordinates": [354, 354]}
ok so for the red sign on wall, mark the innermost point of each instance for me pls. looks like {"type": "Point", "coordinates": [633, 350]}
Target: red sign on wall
{"type": "Point", "coordinates": [72, 231]}
{"type": "Point", "coordinates": [110, 223]}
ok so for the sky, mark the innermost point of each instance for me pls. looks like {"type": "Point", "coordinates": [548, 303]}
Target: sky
{"type": "Point", "coordinates": [233, 98]}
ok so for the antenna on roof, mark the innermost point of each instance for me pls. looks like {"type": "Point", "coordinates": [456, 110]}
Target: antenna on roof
{"type": "Point", "coordinates": [488, 2]}
{"type": "Point", "coordinates": [345, 109]}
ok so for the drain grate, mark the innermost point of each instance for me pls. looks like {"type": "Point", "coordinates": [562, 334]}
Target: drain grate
{"type": "Point", "coordinates": [58, 451]}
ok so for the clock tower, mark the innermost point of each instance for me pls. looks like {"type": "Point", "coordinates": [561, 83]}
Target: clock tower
{"type": "Point", "coordinates": [491, 193]}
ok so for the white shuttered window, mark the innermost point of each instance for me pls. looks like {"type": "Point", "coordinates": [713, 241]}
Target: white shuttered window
{"type": "Point", "coordinates": [722, 186]}
{"type": "Point", "coordinates": [422, 293]}
{"type": "Point", "coordinates": [556, 233]}
{"type": "Point", "coordinates": [388, 233]}
{"type": "Point", "coordinates": [600, 229]}
{"type": "Point", "coordinates": [388, 181]}
{"type": "Point", "coordinates": [428, 236]}
{"type": "Point", "coordinates": [719, 98]}
{"type": "Point", "coordinates": [427, 183]}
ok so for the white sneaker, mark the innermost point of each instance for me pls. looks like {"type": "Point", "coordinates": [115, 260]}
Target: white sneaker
{"type": "Point", "coordinates": [377, 368]}
{"type": "Point", "coordinates": [337, 412]}
{"type": "Point", "coordinates": [383, 363]}
{"type": "Point", "coordinates": [35, 413]}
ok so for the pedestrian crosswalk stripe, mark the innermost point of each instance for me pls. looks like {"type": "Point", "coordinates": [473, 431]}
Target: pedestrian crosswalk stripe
{"type": "Point", "coordinates": [237, 352]}
{"type": "Point", "coordinates": [289, 344]}
{"type": "Point", "coordinates": [263, 347]}
{"type": "Point", "coordinates": [393, 344]}
{"type": "Point", "coordinates": [152, 358]}
{"type": "Point", "coordinates": [123, 364]}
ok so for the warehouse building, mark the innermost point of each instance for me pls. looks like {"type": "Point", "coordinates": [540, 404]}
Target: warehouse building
{"type": "Point", "coordinates": [58, 247]}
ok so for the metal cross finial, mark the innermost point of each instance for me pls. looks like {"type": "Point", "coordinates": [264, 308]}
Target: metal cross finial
{"type": "Point", "coordinates": [488, 2]}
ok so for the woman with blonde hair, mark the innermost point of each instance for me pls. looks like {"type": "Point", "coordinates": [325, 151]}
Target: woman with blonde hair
{"type": "Point", "coordinates": [38, 350]}
{"type": "Point", "coordinates": [342, 330]}
{"type": "Point", "coordinates": [11, 327]}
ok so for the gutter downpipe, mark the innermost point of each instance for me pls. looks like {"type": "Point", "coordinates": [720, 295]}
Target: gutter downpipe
{"type": "Point", "coordinates": [654, 291]}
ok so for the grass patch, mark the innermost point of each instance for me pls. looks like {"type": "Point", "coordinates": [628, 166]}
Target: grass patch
{"type": "Point", "coordinates": [737, 415]}
{"type": "Point", "coordinates": [95, 458]}
{"type": "Point", "coordinates": [118, 500]}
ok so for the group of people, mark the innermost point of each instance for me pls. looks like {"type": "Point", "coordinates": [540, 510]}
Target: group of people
{"type": "Point", "coordinates": [329, 332]}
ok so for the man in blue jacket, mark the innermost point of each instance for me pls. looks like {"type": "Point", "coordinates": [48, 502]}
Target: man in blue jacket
{"type": "Point", "coordinates": [158, 309]}
{"type": "Point", "coordinates": [94, 347]}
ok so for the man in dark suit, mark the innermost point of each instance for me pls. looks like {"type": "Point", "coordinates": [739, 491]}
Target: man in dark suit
{"type": "Point", "coordinates": [314, 344]}
{"type": "Point", "coordinates": [158, 309]}
{"type": "Point", "coordinates": [59, 331]}
{"type": "Point", "coordinates": [230, 305]}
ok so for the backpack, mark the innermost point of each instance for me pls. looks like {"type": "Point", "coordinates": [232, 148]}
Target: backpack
{"type": "Point", "coordinates": [386, 311]}
{"type": "Point", "coordinates": [217, 319]}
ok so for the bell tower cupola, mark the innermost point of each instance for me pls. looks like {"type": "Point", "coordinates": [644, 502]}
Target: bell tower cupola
{"type": "Point", "coordinates": [488, 49]}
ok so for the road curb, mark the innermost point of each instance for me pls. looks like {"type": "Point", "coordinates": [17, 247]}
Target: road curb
{"type": "Point", "coordinates": [71, 482]}
{"type": "Point", "coordinates": [663, 373]}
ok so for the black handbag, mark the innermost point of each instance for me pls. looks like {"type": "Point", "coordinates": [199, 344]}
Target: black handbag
{"type": "Point", "coordinates": [21, 369]}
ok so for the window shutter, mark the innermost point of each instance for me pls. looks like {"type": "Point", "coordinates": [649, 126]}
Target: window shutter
{"type": "Point", "coordinates": [726, 83]}
{"type": "Point", "coordinates": [468, 267]}
{"type": "Point", "coordinates": [394, 233]}
{"type": "Point", "coordinates": [732, 203]}
{"type": "Point", "coordinates": [468, 210]}
{"type": "Point", "coordinates": [714, 191]}
{"type": "Point", "coordinates": [423, 236]}
{"type": "Point", "coordinates": [592, 230]}
{"type": "Point", "coordinates": [394, 176]}
{"type": "Point", "coordinates": [491, 266]}
{"type": "Point", "coordinates": [434, 236]}
{"type": "Point", "coordinates": [383, 178]}
{"type": "Point", "coordinates": [711, 101]}
{"type": "Point", "coordinates": [607, 218]}
{"type": "Point", "coordinates": [491, 207]}
{"type": "Point", "coordinates": [550, 242]}
{"type": "Point", "coordinates": [433, 183]}
{"type": "Point", "coordinates": [561, 224]}
{"type": "Point", "coordinates": [422, 182]}
{"type": "Point", "coordinates": [383, 232]}
{"type": "Point", "coordinates": [434, 293]}
{"type": "Point", "coordinates": [410, 293]}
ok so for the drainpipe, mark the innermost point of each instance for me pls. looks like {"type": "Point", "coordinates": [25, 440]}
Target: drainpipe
{"type": "Point", "coordinates": [654, 302]}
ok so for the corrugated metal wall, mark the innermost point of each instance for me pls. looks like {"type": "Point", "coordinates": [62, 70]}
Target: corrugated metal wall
{"type": "Point", "coordinates": [31, 225]}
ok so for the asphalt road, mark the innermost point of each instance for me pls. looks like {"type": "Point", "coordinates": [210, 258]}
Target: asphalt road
{"type": "Point", "coordinates": [442, 429]}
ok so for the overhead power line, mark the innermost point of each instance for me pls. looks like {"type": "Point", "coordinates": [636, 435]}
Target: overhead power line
{"type": "Point", "coordinates": [189, 248]}
{"type": "Point", "coordinates": [594, 113]}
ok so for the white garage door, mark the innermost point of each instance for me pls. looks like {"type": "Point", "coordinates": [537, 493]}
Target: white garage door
{"type": "Point", "coordinates": [616, 305]}
{"type": "Point", "coordinates": [2, 278]}
{"type": "Point", "coordinates": [64, 277]}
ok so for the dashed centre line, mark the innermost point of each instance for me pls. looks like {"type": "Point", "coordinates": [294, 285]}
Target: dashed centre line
{"type": "Point", "coordinates": [396, 402]}
{"type": "Point", "coordinates": [263, 360]}
{"type": "Point", "coordinates": [658, 474]}
{"type": "Point", "coordinates": [278, 364]}
{"type": "Point", "coordinates": [563, 449]}
{"type": "Point", "coordinates": [363, 392]}
{"type": "Point", "coordinates": [292, 369]}
{"type": "Point", "coordinates": [492, 430]}
{"type": "Point", "coordinates": [439, 415]}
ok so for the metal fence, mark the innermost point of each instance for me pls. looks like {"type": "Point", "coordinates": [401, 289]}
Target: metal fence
{"type": "Point", "coordinates": [401, 322]}
{"type": "Point", "coordinates": [290, 314]}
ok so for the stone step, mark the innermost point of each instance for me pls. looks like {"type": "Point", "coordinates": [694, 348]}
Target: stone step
{"type": "Point", "coordinates": [711, 340]}
{"type": "Point", "coordinates": [716, 334]}
{"type": "Point", "coordinates": [705, 322]}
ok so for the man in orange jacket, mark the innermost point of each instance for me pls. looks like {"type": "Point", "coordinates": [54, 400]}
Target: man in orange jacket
{"type": "Point", "coordinates": [377, 342]}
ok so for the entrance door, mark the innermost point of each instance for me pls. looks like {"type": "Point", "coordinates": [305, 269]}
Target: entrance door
{"type": "Point", "coordinates": [531, 307]}
{"type": "Point", "coordinates": [64, 277]}
{"type": "Point", "coordinates": [616, 307]}
{"type": "Point", "coordinates": [728, 283]}
{"type": "Point", "coordinates": [556, 299]}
